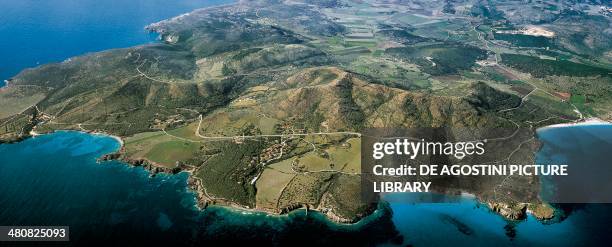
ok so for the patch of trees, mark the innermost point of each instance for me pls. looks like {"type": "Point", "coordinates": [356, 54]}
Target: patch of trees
{"type": "Point", "coordinates": [544, 67]}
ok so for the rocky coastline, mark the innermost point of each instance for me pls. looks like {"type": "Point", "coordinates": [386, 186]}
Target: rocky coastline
{"type": "Point", "coordinates": [519, 211]}
{"type": "Point", "coordinates": [203, 200]}
{"type": "Point", "coordinates": [516, 212]}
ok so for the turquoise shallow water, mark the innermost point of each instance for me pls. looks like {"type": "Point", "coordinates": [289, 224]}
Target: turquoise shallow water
{"type": "Point", "coordinates": [37, 32]}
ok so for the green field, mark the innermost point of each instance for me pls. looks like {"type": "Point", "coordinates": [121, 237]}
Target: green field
{"type": "Point", "coordinates": [172, 151]}
{"type": "Point", "coordinates": [160, 148]}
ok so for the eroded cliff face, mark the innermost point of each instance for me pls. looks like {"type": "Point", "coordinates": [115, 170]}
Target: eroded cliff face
{"type": "Point", "coordinates": [515, 212]}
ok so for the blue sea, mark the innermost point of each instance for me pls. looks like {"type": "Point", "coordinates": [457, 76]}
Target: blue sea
{"type": "Point", "coordinates": [55, 179]}
{"type": "Point", "coordinates": [467, 222]}
{"type": "Point", "coordinates": [470, 223]}
{"type": "Point", "coordinates": [36, 32]}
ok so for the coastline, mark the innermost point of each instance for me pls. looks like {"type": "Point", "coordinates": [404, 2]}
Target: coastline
{"type": "Point", "coordinates": [194, 183]}
{"type": "Point", "coordinates": [152, 27]}
{"type": "Point", "coordinates": [556, 215]}
{"type": "Point", "coordinates": [583, 122]}
{"type": "Point", "coordinates": [203, 200]}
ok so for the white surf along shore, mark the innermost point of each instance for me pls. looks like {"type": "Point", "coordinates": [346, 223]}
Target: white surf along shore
{"type": "Point", "coordinates": [583, 122]}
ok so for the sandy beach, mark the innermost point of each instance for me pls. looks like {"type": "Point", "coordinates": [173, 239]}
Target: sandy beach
{"type": "Point", "coordinates": [587, 121]}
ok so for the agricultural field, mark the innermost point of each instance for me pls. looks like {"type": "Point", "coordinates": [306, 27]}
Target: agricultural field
{"type": "Point", "coordinates": [160, 148]}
